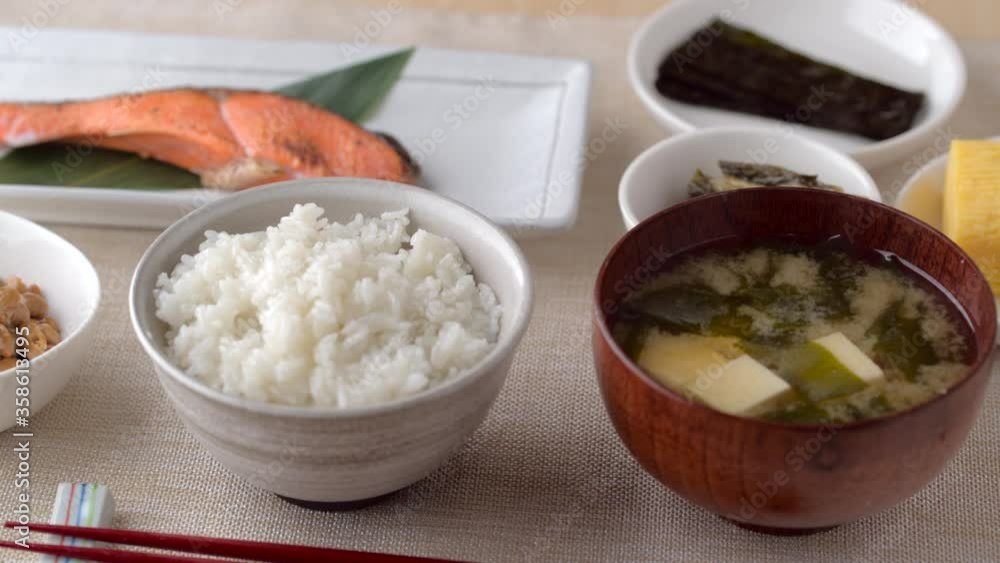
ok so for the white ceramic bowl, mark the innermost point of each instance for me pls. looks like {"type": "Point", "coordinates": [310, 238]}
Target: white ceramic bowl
{"type": "Point", "coordinates": [73, 291]}
{"type": "Point", "coordinates": [883, 39]}
{"type": "Point", "coordinates": [658, 178]}
{"type": "Point", "coordinates": [331, 455]}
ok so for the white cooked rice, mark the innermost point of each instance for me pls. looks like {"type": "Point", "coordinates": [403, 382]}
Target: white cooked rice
{"type": "Point", "coordinates": [311, 312]}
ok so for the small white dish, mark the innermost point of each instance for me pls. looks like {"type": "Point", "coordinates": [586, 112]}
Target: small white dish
{"type": "Point", "coordinates": [73, 291]}
{"type": "Point", "coordinates": [501, 133]}
{"type": "Point", "coordinates": [923, 194]}
{"type": "Point", "coordinates": [658, 178]}
{"type": "Point", "coordinates": [883, 39]}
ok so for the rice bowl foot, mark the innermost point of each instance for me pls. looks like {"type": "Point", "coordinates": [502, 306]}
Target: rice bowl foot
{"type": "Point", "coordinates": [339, 506]}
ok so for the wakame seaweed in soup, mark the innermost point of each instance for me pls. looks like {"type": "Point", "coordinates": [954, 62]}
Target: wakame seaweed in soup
{"type": "Point", "coordinates": [802, 334]}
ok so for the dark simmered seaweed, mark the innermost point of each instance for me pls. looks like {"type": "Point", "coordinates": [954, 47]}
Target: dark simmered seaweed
{"type": "Point", "coordinates": [727, 67]}
{"type": "Point", "coordinates": [737, 175]}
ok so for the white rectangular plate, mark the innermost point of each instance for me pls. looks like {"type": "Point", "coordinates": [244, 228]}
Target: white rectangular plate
{"type": "Point", "coordinates": [502, 134]}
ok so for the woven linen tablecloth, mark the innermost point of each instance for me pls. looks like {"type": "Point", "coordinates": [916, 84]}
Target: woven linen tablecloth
{"type": "Point", "coordinates": [545, 478]}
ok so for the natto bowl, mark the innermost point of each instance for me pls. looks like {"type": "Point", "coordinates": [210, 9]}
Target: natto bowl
{"type": "Point", "coordinates": [329, 457]}
{"type": "Point", "coordinates": [769, 476]}
{"type": "Point", "coordinates": [72, 289]}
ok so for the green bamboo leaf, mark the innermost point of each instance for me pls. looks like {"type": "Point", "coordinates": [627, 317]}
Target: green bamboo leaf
{"type": "Point", "coordinates": [354, 92]}
{"type": "Point", "coordinates": [62, 165]}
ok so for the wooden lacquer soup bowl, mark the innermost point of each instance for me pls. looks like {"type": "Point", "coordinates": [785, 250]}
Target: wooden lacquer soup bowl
{"type": "Point", "coordinates": [770, 476]}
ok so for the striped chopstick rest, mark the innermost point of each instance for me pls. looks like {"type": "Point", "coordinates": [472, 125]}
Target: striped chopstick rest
{"type": "Point", "coordinates": [80, 504]}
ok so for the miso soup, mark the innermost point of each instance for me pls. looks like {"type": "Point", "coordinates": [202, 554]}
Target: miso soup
{"type": "Point", "coordinates": [801, 334]}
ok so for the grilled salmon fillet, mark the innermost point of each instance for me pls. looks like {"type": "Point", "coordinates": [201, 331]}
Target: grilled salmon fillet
{"type": "Point", "coordinates": [232, 139]}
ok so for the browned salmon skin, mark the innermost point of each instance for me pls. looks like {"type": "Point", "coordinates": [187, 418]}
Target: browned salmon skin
{"type": "Point", "coordinates": [232, 139]}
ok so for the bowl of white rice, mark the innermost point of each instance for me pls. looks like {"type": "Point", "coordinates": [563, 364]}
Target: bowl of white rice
{"type": "Point", "coordinates": [332, 340]}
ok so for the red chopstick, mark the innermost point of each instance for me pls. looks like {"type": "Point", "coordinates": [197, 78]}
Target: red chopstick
{"type": "Point", "coordinates": [247, 550]}
{"type": "Point", "coordinates": [107, 555]}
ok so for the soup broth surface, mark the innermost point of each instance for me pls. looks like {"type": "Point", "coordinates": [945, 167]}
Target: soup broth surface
{"type": "Point", "coordinates": [780, 304]}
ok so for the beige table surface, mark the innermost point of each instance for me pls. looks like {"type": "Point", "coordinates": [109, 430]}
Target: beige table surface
{"type": "Point", "coordinates": [965, 18]}
{"type": "Point", "coordinates": [545, 478]}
